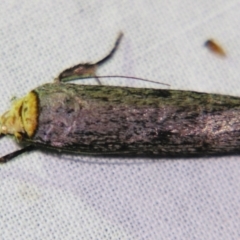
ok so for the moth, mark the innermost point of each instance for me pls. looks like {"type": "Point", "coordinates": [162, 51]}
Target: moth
{"type": "Point", "coordinates": [122, 121]}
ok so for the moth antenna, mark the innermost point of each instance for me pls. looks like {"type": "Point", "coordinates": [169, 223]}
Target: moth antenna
{"type": "Point", "coordinates": [128, 77]}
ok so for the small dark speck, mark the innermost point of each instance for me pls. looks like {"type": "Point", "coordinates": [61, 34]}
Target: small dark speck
{"type": "Point", "coordinates": [215, 48]}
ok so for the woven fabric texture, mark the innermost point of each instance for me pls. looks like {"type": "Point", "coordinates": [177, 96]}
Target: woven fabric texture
{"type": "Point", "coordinates": [56, 196]}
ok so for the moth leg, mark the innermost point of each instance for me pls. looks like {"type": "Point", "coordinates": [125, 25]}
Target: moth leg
{"type": "Point", "coordinates": [14, 154]}
{"type": "Point", "coordinates": [86, 69]}
{"type": "Point", "coordinates": [98, 81]}
{"type": "Point", "coordinates": [102, 61]}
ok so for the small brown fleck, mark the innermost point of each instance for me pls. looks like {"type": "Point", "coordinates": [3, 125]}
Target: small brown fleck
{"type": "Point", "coordinates": [215, 47]}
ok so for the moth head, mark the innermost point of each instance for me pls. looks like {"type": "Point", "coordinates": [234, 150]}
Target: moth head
{"type": "Point", "coordinates": [22, 117]}
{"type": "Point", "coordinates": [10, 121]}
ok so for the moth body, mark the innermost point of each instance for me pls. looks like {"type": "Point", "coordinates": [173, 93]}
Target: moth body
{"type": "Point", "coordinates": [121, 121]}
{"type": "Point", "coordinates": [105, 120]}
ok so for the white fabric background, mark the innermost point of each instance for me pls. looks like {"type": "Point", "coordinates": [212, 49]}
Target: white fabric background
{"type": "Point", "coordinates": [51, 196]}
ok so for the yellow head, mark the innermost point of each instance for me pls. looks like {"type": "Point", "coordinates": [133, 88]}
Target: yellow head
{"type": "Point", "coordinates": [22, 117]}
